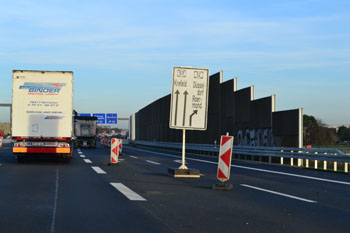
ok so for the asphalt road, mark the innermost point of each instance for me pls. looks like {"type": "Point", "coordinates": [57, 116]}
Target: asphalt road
{"type": "Point", "coordinates": [138, 195]}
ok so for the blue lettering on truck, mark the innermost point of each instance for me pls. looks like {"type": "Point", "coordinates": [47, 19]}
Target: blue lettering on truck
{"type": "Point", "coordinates": [42, 87]}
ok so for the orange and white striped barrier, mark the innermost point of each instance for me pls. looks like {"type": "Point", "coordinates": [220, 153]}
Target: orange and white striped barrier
{"type": "Point", "coordinates": [1, 142]}
{"type": "Point", "coordinates": [225, 156]}
{"type": "Point", "coordinates": [115, 142]}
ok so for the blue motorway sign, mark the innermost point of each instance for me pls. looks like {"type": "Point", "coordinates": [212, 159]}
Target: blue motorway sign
{"type": "Point", "coordinates": [111, 118]}
{"type": "Point", "coordinates": [101, 118]}
{"type": "Point", "coordinates": [84, 114]}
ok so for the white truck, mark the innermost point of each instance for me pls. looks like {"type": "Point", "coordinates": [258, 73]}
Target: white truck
{"type": "Point", "coordinates": [42, 113]}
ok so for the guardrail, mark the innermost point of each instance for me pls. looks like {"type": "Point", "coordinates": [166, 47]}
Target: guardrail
{"type": "Point", "coordinates": [317, 158]}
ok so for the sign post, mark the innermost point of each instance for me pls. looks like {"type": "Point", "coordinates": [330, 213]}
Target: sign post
{"type": "Point", "coordinates": [224, 163]}
{"type": "Point", "coordinates": [189, 108]}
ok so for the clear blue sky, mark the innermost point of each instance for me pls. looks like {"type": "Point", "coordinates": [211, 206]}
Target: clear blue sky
{"type": "Point", "coordinates": [122, 52]}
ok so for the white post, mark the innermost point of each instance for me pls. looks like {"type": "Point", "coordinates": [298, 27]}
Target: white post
{"type": "Point", "coordinates": [335, 166]}
{"type": "Point", "coordinates": [183, 166]}
{"type": "Point", "coordinates": [346, 167]}
{"type": "Point", "coordinates": [307, 163]}
{"type": "Point", "coordinates": [281, 160]}
{"type": "Point", "coordinates": [316, 164]}
{"type": "Point", "coordinates": [291, 162]}
{"type": "Point", "coordinates": [324, 165]}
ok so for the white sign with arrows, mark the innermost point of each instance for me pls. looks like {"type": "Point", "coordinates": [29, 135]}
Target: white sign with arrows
{"type": "Point", "coordinates": [189, 98]}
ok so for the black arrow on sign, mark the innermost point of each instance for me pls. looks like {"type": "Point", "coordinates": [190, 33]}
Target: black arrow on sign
{"type": "Point", "coordinates": [185, 94]}
{"type": "Point", "coordinates": [176, 103]}
{"type": "Point", "coordinates": [194, 113]}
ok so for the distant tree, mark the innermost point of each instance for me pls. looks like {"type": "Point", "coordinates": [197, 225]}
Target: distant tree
{"type": "Point", "coordinates": [344, 133]}
{"type": "Point", "coordinates": [310, 129]}
{"type": "Point", "coordinates": [315, 132]}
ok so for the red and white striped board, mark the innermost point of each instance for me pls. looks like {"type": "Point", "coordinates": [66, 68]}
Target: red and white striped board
{"type": "Point", "coordinates": [225, 156]}
{"type": "Point", "coordinates": [115, 142]}
{"type": "Point", "coordinates": [0, 142]}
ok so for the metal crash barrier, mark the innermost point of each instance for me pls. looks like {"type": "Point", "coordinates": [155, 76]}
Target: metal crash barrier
{"type": "Point", "coordinates": [316, 158]}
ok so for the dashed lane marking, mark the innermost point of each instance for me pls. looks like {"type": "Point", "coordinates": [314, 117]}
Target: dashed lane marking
{"type": "Point", "coordinates": [87, 161]}
{"type": "Point", "coordinates": [98, 170]}
{"type": "Point", "coordinates": [53, 222]}
{"type": "Point", "coordinates": [179, 161]}
{"type": "Point", "coordinates": [131, 195]}
{"type": "Point", "coordinates": [134, 157]}
{"type": "Point", "coordinates": [82, 156]}
{"type": "Point", "coordinates": [149, 161]}
{"type": "Point", "coordinates": [277, 193]}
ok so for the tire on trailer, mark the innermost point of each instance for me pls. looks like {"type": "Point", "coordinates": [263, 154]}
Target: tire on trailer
{"type": "Point", "coordinates": [21, 158]}
{"type": "Point", "coordinates": [66, 158]}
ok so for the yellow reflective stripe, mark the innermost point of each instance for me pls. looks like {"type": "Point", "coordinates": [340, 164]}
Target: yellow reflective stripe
{"type": "Point", "coordinates": [19, 150]}
{"type": "Point", "coordinates": [62, 150]}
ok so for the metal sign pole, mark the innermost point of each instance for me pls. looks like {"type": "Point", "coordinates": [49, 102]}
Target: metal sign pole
{"type": "Point", "coordinates": [188, 109]}
{"type": "Point", "coordinates": [183, 166]}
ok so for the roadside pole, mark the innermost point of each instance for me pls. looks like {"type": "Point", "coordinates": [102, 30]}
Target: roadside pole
{"type": "Point", "coordinates": [189, 109]}
{"type": "Point", "coordinates": [183, 166]}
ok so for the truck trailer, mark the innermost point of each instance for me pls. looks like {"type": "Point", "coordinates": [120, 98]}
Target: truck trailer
{"type": "Point", "coordinates": [42, 113]}
{"type": "Point", "coordinates": [85, 129]}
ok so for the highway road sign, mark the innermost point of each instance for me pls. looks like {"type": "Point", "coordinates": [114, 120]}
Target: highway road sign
{"type": "Point", "coordinates": [189, 98]}
{"type": "Point", "coordinates": [101, 118]}
{"type": "Point", "coordinates": [111, 118]}
{"type": "Point", "coordinates": [84, 114]}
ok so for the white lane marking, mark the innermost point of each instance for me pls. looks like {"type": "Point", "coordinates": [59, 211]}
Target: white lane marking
{"type": "Point", "coordinates": [291, 174]}
{"type": "Point", "coordinates": [201, 174]}
{"type": "Point", "coordinates": [134, 157]}
{"type": "Point", "coordinates": [149, 161]}
{"type": "Point", "coordinates": [79, 152]}
{"type": "Point", "coordinates": [131, 195]}
{"type": "Point", "coordinates": [98, 170]}
{"type": "Point", "coordinates": [258, 169]}
{"type": "Point", "coordinates": [87, 161]}
{"type": "Point", "coordinates": [179, 161]}
{"type": "Point", "coordinates": [277, 193]}
{"type": "Point", "coordinates": [82, 156]}
{"type": "Point", "coordinates": [52, 229]}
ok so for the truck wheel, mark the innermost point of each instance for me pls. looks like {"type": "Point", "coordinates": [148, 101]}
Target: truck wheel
{"type": "Point", "coordinates": [20, 158]}
{"type": "Point", "coordinates": [66, 158]}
